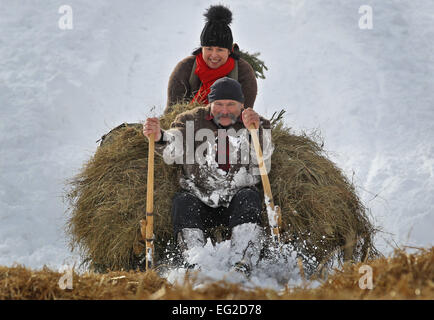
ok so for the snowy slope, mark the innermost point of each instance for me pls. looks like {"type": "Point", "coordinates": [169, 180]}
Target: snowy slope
{"type": "Point", "coordinates": [370, 93]}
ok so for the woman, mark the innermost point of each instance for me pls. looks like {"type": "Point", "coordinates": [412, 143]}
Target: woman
{"type": "Point", "coordinates": [217, 57]}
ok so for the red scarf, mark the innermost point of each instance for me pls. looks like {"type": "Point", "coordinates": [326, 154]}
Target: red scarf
{"type": "Point", "coordinates": [208, 76]}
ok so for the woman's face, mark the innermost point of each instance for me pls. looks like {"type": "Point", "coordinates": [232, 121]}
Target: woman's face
{"type": "Point", "coordinates": [215, 56]}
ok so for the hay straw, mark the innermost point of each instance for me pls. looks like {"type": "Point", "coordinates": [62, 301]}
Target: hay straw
{"type": "Point", "coordinates": [321, 212]}
{"type": "Point", "coordinates": [322, 215]}
{"type": "Point", "coordinates": [402, 276]}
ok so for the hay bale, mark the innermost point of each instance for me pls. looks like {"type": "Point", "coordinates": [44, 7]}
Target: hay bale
{"type": "Point", "coordinates": [322, 215]}
{"type": "Point", "coordinates": [320, 210]}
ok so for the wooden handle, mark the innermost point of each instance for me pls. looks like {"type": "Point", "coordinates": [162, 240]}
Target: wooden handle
{"type": "Point", "coordinates": [261, 164]}
{"type": "Point", "coordinates": [148, 225]}
{"type": "Point", "coordinates": [275, 221]}
{"type": "Point", "coordinates": [150, 178]}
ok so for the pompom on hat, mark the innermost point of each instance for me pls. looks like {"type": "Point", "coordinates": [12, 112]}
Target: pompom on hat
{"type": "Point", "coordinates": [217, 32]}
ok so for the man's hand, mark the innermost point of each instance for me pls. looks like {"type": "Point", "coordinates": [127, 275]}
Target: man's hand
{"type": "Point", "coordinates": [250, 117]}
{"type": "Point", "coordinates": [152, 125]}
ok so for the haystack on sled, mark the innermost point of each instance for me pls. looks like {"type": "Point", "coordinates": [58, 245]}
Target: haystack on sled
{"type": "Point", "coordinates": [322, 217]}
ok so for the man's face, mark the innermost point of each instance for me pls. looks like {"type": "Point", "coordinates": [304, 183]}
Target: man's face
{"type": "Point", "coordinates": [226, 112]}
{"type": "Point", "coordinates": [215, 56]}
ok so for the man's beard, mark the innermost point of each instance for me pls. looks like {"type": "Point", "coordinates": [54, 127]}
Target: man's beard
{"type": "Point", "coordinates": [231, 116]}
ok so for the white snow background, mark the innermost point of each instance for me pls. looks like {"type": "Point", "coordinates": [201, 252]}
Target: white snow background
{"type": "Point", "coordinates": [369, 92]}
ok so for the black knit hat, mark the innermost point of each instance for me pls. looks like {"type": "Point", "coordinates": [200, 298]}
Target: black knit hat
{"type": "Point", "coordinates": [216, 32]}
{"type": "Point", "coordinates": [226, 89]}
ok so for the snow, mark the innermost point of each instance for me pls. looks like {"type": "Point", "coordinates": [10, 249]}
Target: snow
{"type": "Point", "coordinates": [272, 214]}
{"type": "Point", "coordinates": [214, 263]}
{"type": "Point", "coordinates": [369, 92]}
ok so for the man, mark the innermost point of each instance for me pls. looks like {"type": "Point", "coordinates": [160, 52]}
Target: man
{"type": "Point", "coordinates": [217, 57]}
{"type": "Point", "coordinates": [219, 181]}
